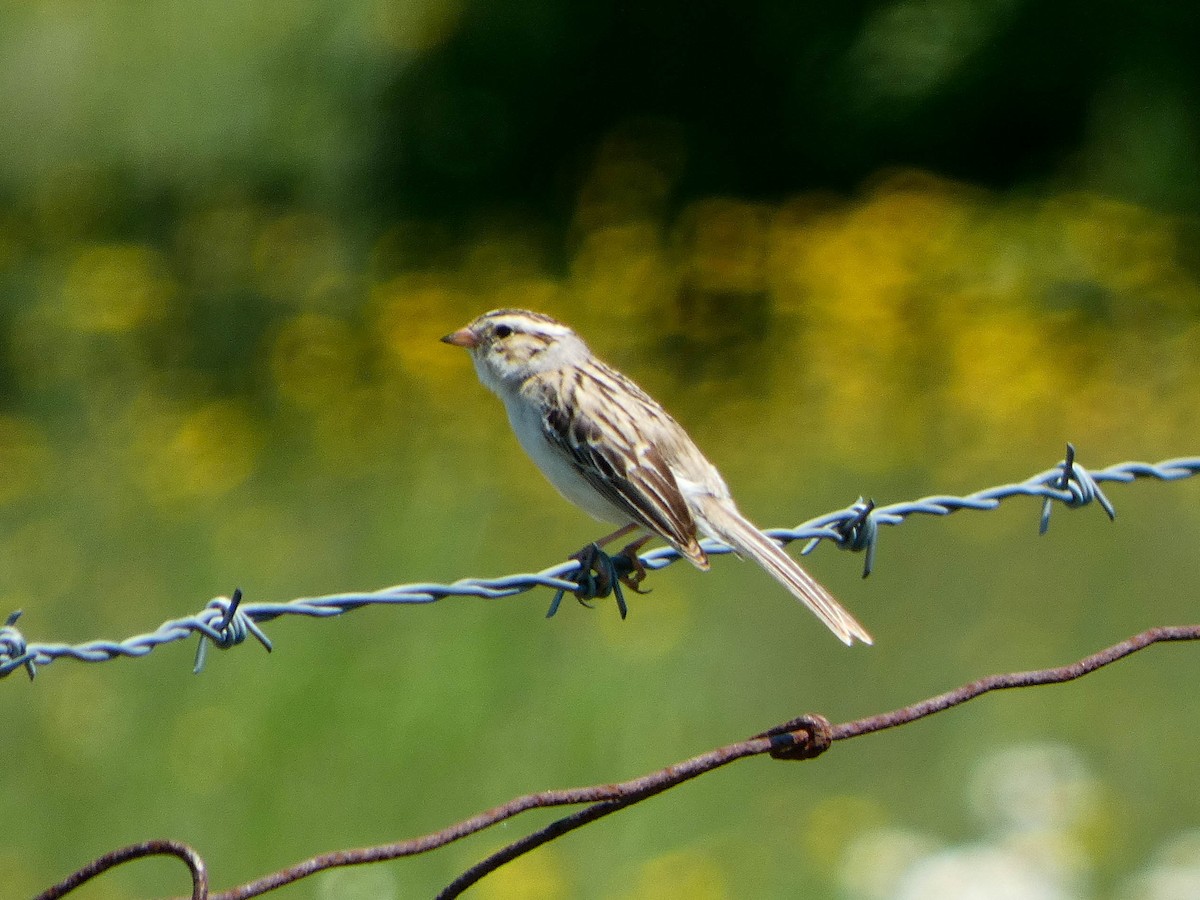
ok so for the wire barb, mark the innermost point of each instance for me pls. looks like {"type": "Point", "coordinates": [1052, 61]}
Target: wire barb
{"type": "Point", "coordinates": [857, 531]}
{"type": "Point", "coordinates": [806, 737]}
{"type": "Point", "coordinates": [14, 652]}
{"type": "Point", "coordinates": [1077, 487]}
{"type": "Point", "coordinates": [233, 628]}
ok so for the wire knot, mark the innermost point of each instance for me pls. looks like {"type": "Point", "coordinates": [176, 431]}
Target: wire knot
{"type": "Point", "coordinates": [14, 652]}
{"type": "Point", "coordinates": [859, 532]}
{"type": "Point", "coordinates": [231, 629]}
{"type": "Point", "coordinates": [1077, 488]}
{"type": "Point", "coordinates": [805, 737]}
{"type": "Point", "coordinates": [856, 530]}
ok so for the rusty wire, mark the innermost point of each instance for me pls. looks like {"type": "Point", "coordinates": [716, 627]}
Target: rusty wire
{"type": "Point", "coordinates": [802, 738]}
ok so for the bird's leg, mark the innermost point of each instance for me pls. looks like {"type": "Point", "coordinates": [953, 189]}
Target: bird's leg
{"type": "Point", "coordinates": [619, 533]}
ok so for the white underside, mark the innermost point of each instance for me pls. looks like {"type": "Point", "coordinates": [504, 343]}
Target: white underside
{"type": "Point", "coordinates": [526, 421]}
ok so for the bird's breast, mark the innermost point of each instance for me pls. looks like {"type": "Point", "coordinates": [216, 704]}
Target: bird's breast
{"type": "Point", "coordinates": [559, 469]}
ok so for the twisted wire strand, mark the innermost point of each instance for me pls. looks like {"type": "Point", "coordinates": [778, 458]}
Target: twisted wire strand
{"type": "Point", "coordinates": [226, 621]}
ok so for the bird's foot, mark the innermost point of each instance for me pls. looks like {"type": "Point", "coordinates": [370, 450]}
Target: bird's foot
{"type": "Point", "coordinates": [597, 577]}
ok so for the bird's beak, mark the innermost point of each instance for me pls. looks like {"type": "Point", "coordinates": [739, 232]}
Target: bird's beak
{"type": "Point", "coordinates": [464, 337]}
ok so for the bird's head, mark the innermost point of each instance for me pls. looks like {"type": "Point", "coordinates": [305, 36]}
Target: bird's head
{"type": "Point", "coordinates": [509, 345]}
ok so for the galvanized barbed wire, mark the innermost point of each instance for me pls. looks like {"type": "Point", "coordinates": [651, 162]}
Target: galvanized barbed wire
{"type": "Point", "coordinates": [227, 621]}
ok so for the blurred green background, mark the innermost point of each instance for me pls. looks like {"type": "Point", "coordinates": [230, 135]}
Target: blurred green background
{"type": "Point", "coordinates": [889, 249]}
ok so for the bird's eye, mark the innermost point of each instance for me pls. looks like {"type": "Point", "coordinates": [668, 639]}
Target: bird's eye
{"type": "Point", "coordinates": [503, 331]}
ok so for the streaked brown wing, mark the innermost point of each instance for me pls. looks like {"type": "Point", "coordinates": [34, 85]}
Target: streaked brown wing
{"type": "Point", "coordinates": [628, 471]}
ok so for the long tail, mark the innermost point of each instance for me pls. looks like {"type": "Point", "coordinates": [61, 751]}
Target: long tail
{"type": "Point", "coordinates": [726, 524]}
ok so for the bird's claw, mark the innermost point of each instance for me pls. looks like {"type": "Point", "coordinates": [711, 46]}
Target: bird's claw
{"type": "Point", "coordinates": [628, 565]}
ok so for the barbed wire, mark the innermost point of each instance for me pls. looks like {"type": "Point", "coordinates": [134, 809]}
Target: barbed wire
{"type": "Point", "coordinates": [227, 621]}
